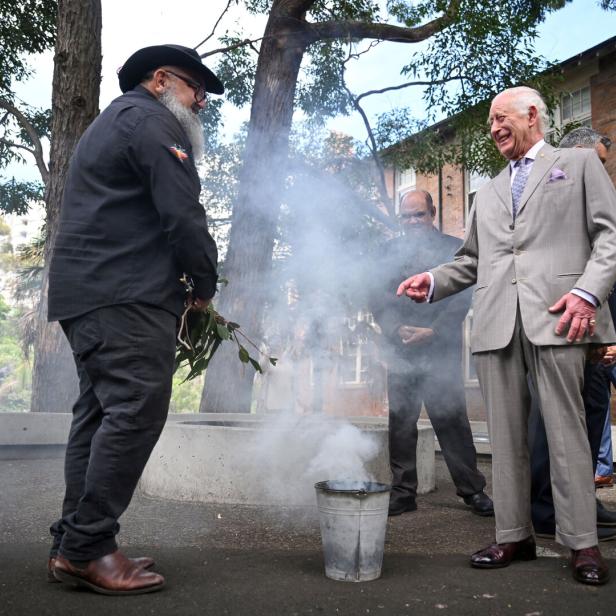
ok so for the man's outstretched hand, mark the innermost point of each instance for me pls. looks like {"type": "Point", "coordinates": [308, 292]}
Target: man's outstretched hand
{"type": "Point", "coordinates": [416, 287]}
{"type": "Point", "coordinates": [578, 315]}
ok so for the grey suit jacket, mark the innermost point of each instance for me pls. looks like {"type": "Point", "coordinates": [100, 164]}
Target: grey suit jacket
{"type": "Point", "coordinates": [564, 237]}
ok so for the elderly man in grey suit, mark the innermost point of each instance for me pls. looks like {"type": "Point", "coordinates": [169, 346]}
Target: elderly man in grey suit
{"type": "Point", "coordinates": [541, 247]}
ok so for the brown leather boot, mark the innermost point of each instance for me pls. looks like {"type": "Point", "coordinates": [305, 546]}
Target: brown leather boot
{"type": "Point", "coordinates": [145, 562]}
{"type": "Point", "coordinates": [113, 574]}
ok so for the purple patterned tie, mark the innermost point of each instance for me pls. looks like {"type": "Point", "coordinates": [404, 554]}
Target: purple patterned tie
{"type": "Point", "coordinates": [519, 182]}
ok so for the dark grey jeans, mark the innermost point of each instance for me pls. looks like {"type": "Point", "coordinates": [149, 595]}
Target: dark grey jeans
{"type": "Point", "coordinates": [125, 357]}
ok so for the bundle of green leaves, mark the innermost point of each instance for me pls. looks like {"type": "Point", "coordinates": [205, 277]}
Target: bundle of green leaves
{"type": "Point", "coordinates": [202, 332]}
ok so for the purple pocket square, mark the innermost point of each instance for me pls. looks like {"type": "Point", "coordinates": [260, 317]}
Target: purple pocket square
{"type": "Point", "coordinates": [557, 174]}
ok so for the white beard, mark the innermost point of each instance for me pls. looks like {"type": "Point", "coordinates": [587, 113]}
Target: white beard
{"type": "Point", "coordinates": [188, 120]}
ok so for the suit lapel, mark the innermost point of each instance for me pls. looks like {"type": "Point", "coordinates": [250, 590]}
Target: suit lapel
{"type": "Point", "coordinates": [502, 186]}
{"type": "Point", "coordinates": [546, 158]}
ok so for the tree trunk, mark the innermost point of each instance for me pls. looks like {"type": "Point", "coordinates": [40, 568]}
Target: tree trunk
{"type": "Point", "coordinates": [228, 387]}
{"type": "Point", "coordinates": [75, 94]}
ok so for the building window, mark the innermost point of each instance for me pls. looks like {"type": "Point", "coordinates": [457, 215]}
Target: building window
{"type": "Point", "coordinates": [474, 181]}
{"type": "Point", "coordinates": [405, 180]}
{"type": "Point", "coordinates": [575, 106]}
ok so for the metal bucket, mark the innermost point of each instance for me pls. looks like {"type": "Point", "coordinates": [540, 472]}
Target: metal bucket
{"type": "Point", "coordinates": [353, 517]}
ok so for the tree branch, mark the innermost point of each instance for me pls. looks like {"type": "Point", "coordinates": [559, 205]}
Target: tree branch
{"type": "Point", "coordinates": [241, 43]}
{"type": "Point", "coordinates": [37, 152]}
{"type": "Point", "coordinates": [382, 187]}
{"type": "Point", "coordinates": [382, 31]}
{"type": "Point", "coordinates": [211, 34]}
{"type": "Point", "coordinates": [10, 144]}
{"type": "Point", "coordinates": [408, 84]}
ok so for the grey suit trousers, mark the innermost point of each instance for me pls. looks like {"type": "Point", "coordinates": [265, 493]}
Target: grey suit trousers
{"type": "Point", "coordinates": [557, 373]}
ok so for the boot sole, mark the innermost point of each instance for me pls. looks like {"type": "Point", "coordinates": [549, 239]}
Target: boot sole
{"type": "Point", "coordinates": [73, 580]}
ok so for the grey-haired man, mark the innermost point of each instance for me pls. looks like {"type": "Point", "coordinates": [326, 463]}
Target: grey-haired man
{"type": "Point", "coordinates": [131, 227]}
{"type": "Point", "coordinates": [541, 247]}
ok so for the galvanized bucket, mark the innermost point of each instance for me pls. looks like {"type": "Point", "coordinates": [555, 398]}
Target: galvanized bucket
{"type": "Point", "coordinates": [353, 517]}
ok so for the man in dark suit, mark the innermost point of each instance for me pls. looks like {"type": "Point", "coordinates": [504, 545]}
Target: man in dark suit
{"type": "Point", "coordinates": [596, 395]}
{"type": "Point", "coordinates": [424, 362]}
{"type": "Point", "coordinates": [131, 227]}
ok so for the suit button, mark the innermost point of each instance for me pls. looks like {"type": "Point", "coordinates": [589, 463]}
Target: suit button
{"type": "Point", "coordinates": [513, 281]}
{"type": "Point", "coordinates": [511, 226]}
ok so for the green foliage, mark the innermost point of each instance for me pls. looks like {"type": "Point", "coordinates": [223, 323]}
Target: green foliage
{"type": "Point", "coordinates": [483, 52]}
{"type": "Point", "coordinates": [258, 7]}
{"type": "Point", "coordinates": [14, 139]}
{"type": "Point", "coordinates": [237, 69]}
{"type": "Point", "coordinates": [320, 93]}
{"type": "Point", "coordinates": [15, 370]}
{"type": "Point", "coordinates": [40, 120]}
{"type": "Point", "coordinates": [185, 395]}
{"type": "Point", "coordinates": [360, 10]}
{"type": "Point", "coordinates": [16, 196]}
{"type": "Point", "coordinates": [485, 49]}
{"type": "Point", "coordinates": [26, 27]}
{"type": "Point", "coordinates": [201, 333]}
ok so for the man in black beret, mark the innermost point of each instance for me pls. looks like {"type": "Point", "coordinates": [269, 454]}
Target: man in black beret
{"type": "Point", "coordinates": [131, 227]}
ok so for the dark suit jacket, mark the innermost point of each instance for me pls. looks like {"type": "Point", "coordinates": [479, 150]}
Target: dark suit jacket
{"type": "Point", "coordinates": [131, 223]}
{"type": "Point", "coordinates": [405, 256]}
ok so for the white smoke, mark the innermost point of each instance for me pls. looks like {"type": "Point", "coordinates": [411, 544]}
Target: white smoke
{"type": "Point", "coordinates": [290, 453]}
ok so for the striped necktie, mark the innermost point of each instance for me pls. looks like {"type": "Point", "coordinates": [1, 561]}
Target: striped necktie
{"type": "Point", "coordinates": [519, 182]}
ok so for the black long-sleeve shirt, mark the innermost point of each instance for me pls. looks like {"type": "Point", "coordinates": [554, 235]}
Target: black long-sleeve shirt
{"type": "Point", "coordinates": [131, 223]}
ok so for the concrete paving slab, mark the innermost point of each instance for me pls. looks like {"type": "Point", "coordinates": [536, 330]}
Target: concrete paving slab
{"type": "Point", "coordinates": [255, 560]}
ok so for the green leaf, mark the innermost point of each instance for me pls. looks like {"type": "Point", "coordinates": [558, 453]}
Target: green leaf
{"type": "Point", "coordinates": [256, 365]}
{"type": "Point", "coordinates": [273, 360]}
{"type": "Point", "coordinates": [243, 355]}
{"type": "Point", "coordinates": [223, 332]}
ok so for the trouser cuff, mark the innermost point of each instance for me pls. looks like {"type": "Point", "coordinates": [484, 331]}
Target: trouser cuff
{"type": "Point", "coordinates": [92, 553]}
{"type": "Point", "coordinates": [513, 535]}
{"type": "Point", "coordinates": [577, 542]}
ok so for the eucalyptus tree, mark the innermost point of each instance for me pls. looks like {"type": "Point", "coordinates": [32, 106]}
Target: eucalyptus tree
{"type": "Point", "coordinates": [26, 28]}
{"type": "Point", "coordinates": [470, 51]}
{"type": "Point", "coordinates": [73, 29]}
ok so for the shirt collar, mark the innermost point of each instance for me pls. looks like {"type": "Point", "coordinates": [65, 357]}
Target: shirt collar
{"type": "Point", "coordinates": [532, 153]}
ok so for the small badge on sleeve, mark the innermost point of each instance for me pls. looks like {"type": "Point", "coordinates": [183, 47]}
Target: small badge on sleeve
{"type": "Point", "coordinates": [178, 152]}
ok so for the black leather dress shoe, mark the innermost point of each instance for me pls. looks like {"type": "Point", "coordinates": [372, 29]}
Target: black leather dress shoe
{"type": "Point", "coordinates": [500, 555]}
{"type": "Point", "coordinates": [480, 503]}
{"type": "Point", "coordinates": [603, 534]}
{"type": "Point", "coordinates": [605, 517]}
{"type": "Point", "coordinates": [588, 566]}
{"type": "Point", "coordinates": [401, 506]}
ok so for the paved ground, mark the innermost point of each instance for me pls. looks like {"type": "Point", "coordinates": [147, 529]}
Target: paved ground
{"type": "Point", "coordinates": [253, 561]}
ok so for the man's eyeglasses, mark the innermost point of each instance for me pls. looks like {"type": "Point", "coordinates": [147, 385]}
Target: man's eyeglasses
{"type": "Point", "coordinates": [200, 92]}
